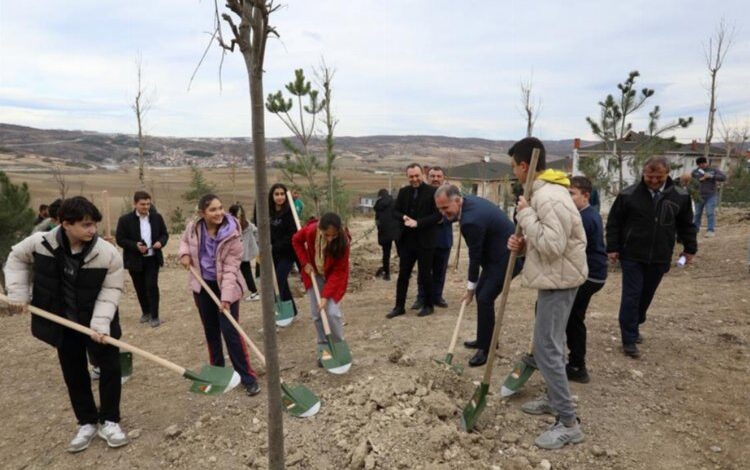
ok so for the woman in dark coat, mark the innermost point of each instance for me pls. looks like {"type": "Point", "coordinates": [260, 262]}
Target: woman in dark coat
{"type": "Point", "coordinates": [389, 230]}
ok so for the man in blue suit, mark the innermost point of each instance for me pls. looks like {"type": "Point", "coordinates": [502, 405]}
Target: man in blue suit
{"type": "Point", "coordinates": [486, 229]}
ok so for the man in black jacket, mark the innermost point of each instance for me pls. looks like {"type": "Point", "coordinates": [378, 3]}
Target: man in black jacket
{"type": "Point", "coordinates": [142, 234]}
{"type": "Point", "coordinates": [415, 209]}
{"type": "Point", "coordinates": [641, 230]}
{"type": "Point", "coordinates": [78, 276]}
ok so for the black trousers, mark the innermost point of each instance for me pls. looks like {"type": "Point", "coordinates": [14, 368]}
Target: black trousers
{"type": "Point", "coordinates": [387, 256]}
{"type": "Point", "coordinates": [146, 283]}
{"type": "Point", "coordinates": [216, 325]}
{"type": "Point", "coordinates": [639, 284]}
{"type": "Point", "coordinates": [409, 254]}
{"type": "Point", "coordinates": [576, 329]}
{"type": "Point", "coordinates": [489, 287]}
{"type": "Point", "coordinates": [74, 365]}
{"type": "Point", "coordinates": [247, 273]}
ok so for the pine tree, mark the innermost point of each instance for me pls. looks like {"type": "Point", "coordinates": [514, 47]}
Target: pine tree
{"type": "Point", "coordinates": [16, 217]}
{"type": "Point", "coordinates": [198, 186]}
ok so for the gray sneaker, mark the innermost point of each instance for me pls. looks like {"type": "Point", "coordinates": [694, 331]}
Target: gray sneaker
{"type": "Point", "coordinates": [83, 438]}
{"type": "Point", "coordinates": [112, 433]}
{"type": "Point", "coordinates": [538, 406]}
{"type": "Point", "coordinates": [154, 322]}
{"type": "Point", "coordinates": [558, 435]}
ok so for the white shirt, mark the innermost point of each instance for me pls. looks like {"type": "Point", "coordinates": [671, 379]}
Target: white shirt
{"type": "Point", "coordinates": [146, 233]}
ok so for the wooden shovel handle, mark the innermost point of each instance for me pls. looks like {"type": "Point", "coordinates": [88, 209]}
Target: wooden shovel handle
{"type": "Point", "coordinates": [229, 316]}
{"type": "Point", "coordinates": [107, 339]}
{"type": "Point", "coordinates": [458, 327]}
{"type": "Point", "coordinates": [500, 312]}
{"type": "Point", "coordinates": [314, 281]}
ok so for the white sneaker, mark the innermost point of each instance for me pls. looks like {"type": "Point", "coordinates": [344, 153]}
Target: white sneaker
{"type": "Point", "coordinates": [83, 438]}
{"type": "Point", "coordinates": [254, 296]}
{"type": "Point", "coordinates": [709, 234]}
{"type": "Point", "coordinates": [112, 433]}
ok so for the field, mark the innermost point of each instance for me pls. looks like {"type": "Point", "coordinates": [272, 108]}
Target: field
{"type": "Point", "coordinates": [682, 405]}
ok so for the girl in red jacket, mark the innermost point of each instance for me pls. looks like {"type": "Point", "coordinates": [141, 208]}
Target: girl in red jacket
{"type": "Point", "coordinates": [322, 248]}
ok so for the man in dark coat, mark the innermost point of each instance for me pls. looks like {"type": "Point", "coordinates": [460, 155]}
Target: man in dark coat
{"type": "Point", "coordinates": [415, 210]}
{"type": "Point", "coordinates": [142, 234]}
{"type": "Point", "coordinates": [641, 229]}
{"type": "Point", "coordinates": [486, 229]}
{"type": "Point", "coordinates": [389, 231]}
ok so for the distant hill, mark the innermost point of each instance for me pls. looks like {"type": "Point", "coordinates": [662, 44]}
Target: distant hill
{"type": "Point", "coordinates": [384, 152]}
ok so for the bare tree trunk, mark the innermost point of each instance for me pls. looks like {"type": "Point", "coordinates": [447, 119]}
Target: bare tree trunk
{"type": "Point", "coordinates": [530, 110]}
{"type": "Point", "coordinates": [140, 107]}
{"type": "Point", "coordinates": [714, 60]}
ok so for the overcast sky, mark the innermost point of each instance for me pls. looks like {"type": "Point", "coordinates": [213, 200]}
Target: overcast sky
{"type": "Point", "coordinates": [402, 67]}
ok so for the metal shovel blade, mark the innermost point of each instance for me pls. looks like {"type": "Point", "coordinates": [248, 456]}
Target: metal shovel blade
{"type": "Point", "coordinates": [284, 312]}
{"type": "Point", "coordinates": [299, 401]}
{"type": "Point", "coordinates": [213, 380]}
{"type": "Point", "coordinates": [448, 363]}
{"type": "Point", "coordinates": [335, 356]}
{"type": "Point", "coordinates": [126, 365]}
{"type": "Point", "coordinates": [471, 412]}
{"type": "Point", "coordinates": [516, 379]}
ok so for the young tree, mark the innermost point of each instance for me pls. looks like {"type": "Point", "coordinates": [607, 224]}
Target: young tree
{"type": "Point", "coordinates": [16, 217]}
{"type": "Point", "coordinates": [62, 183]}
{"type": "Point", "coordinates": [531, 109]}
{"type": "Point", "coordinates": [141, 105]}
{"type": "Point", "coordinates": [614, 124]}
{"type": "Point", "coordinates": [715, 52]}
{"type": "Point", "coordinates": [735, 137]}
{"type": "Point", "coordinates": [302, 160]}
{"type": "Point", "coordinates": [198, 186]}
{"type": "Point", "coordinates": [324, 76]}
{"type": "Point", "coordinates": [250, 35]}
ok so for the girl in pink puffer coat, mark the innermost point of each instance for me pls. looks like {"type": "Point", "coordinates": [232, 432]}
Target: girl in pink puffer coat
{"type": "Point", "coordinates": [213, 244]}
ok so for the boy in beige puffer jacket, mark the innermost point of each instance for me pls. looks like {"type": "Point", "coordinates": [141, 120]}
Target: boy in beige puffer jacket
{"type": "Point", "coordinates": [554, 243]}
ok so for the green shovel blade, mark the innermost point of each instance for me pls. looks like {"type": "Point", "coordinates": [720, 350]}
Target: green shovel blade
{"type": "Point", "coordinates": [448, 362]}
{"type": "Point", "coordinates": [299, 401]}
{"type": "Point", "coordinates": [126, 365]}
{"type": "Point", "coordinates": [516, 379]}
{"type": "Point", "coordinates": [284, 312]}
{"type": "Point", "coordinates": [471, 412]}
{"type": "Point", "coordinates": [213, 380]}
{"type": "Point", "coordinates": [335, 356]}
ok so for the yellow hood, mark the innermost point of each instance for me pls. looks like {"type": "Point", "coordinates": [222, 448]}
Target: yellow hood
{"type": "Point", "coordinates": [555, 177]}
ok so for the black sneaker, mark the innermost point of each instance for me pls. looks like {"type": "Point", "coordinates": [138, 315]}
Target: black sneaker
{"type": "Point", "coordinates": [471, 344]}
{"type": "Point", "coordinates": [395, 312]}
{"type": "Point", "coordinates": [577, 374]}
{"type": "Point", "coordinates": [417, 305]}
{"type": "Point", "coordinates": [631, 350]}
{"type": "Point", "coordinates": [252, 389]}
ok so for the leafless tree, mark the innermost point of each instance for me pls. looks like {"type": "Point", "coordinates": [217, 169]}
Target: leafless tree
{"type": "Point", "coordinates": [248, 22]}
{"type": "Point", "coordinates": [324, 76]}
{"type": "Point", "coordinates": [715, 52]}
{"type": "Point", "coordinates": [62, 183]}
{"type": "Point", "coordinates": [531, 108]}
{"type": "Point", "coordinates": [141, 106]}
{"type": "Point", "coordinates": [735, 136]}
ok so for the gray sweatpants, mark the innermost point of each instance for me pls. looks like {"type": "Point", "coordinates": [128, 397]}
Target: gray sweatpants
{"type": "Point", "coordinates": [335, 318]}
{"type": "Point", "coordinates": [552, 312]}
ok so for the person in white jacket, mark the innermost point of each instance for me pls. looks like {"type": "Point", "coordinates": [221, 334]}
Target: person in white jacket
{"type": "Point", "coordinates": [554, 242]}
{"type": "Point", "coordinates": [71, 272]}
{"type": "Point", "coordinates": [249, 249]}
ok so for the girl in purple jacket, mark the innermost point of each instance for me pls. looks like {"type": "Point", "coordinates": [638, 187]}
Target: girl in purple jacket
{"type": "Point", "coordinates": [213, 243]}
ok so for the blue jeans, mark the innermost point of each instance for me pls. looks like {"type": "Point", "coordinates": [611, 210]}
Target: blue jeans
{"type": "Point", "coordinates": [709, 203]}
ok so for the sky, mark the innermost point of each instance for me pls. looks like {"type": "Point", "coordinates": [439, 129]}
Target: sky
{"type": "Point", "coordinates": [401, 67]}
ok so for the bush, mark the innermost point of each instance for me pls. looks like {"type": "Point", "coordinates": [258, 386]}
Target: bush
{"type": "Point", "coordinates": [16, 217]}
{"type": "Point", "coordinates": [177, 221]}
{"type": "Point", "coordinates": [737, 189]}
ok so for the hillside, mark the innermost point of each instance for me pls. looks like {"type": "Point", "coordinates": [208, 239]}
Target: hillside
{"type": "Point", "coordinates": [84, 148]}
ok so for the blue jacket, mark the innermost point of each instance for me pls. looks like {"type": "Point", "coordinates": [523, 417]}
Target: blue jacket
{"type": "Point", "coordinates": [596, 253]}
{"type": "Point", "coordinates": [486, 229]}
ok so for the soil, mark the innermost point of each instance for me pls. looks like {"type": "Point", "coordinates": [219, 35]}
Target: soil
{"type": "Point", "coordinates": [684, 404]}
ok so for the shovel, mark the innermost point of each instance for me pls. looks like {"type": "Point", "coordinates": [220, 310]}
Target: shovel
{"type": "Point", "coordinates": [284, 308]}
{"type": "Point", "coordinates": [473, 410]}
{"type": "Point", "coordinates": [334, 355]}
{"type": "Point", "coordinates": [211, 380]}
{"type": "Point", "coordinates": [448, 361]}
{"type": "Point", "coordinates": [519, 375]}
{"type": "Point", "coordinates": [298, 400]}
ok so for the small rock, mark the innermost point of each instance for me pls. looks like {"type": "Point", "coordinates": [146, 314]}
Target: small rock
{"type": "Point", "coordinates": [597, 451]}
{"type": "Point", "coordinates": [716, 449]}
{"type": "Point", "coordinates": [510, 438]}
{"type": "Point", "coordinates": [608, 349]}
{"type": "Point", "coordinates": [410, 411]}
{"type": "Point", "coordinates": [360, 454]}
{"type": "Point", "coordinates": [134, 434]}
{"type": "Point", "coordinates": [212, 459]}
{"type": "Point", "coordinates": [545, 464]}
{"type": "Point", "coordinates": [256, 421]}
{"type": "Point", "coordinates": [172, 431]}
{"type": "Point", "coordinates": [407, 361]}
{"type": "Point", "coordinates": [369, 462]}
{"type": "Point", "coordinates": [636, 373]}
{"type": "Point", "coordinates": [680, 386]}
{"type": "Point", "coordinates": [295, 458]}
{"type": "Point", "coordinates": [395, 355]}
